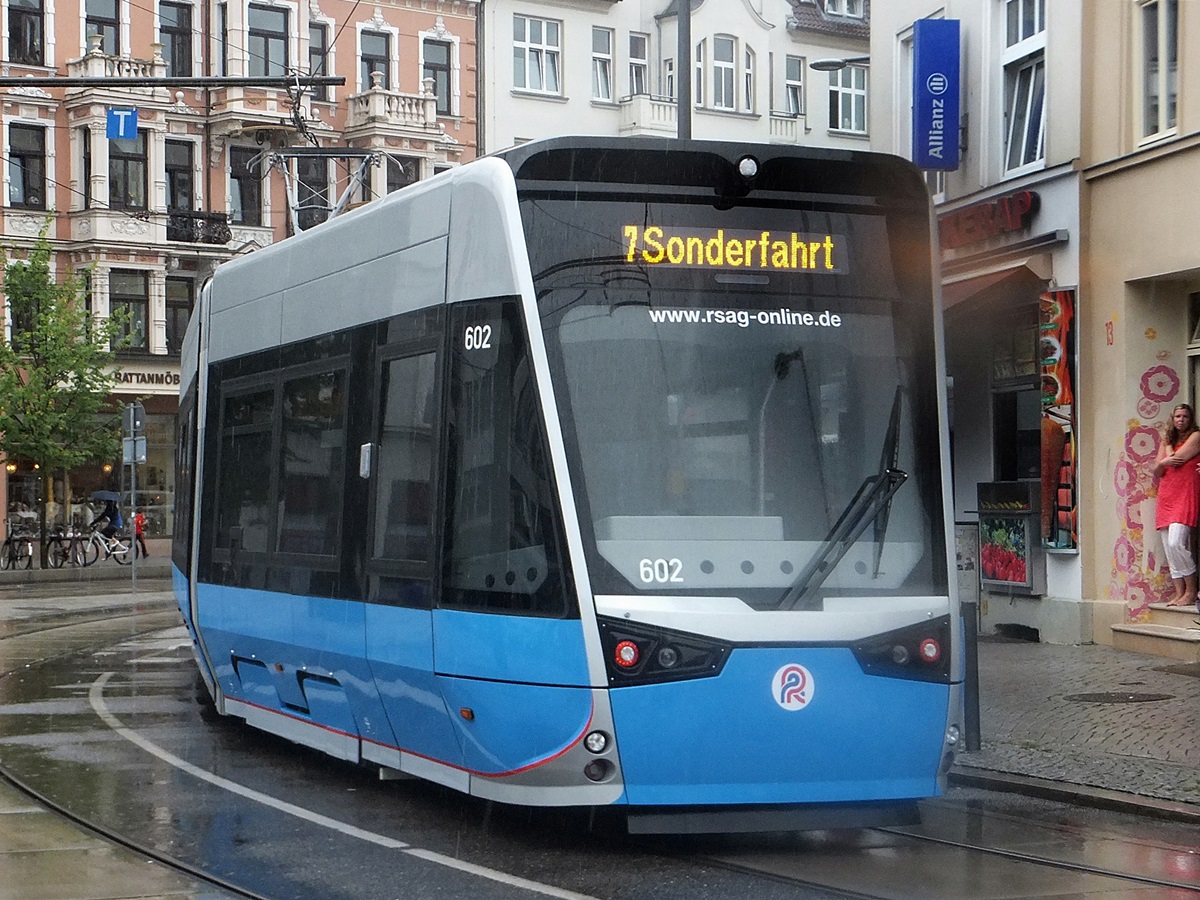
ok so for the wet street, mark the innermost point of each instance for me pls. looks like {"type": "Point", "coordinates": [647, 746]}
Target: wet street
{"type": "Point", "coordinates": [102, 715]}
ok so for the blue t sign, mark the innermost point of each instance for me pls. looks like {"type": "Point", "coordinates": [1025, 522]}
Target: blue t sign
{"type": "Point", "coordinates": [935, 93]}
{"type": "Point", "coordinates": [122, 124]}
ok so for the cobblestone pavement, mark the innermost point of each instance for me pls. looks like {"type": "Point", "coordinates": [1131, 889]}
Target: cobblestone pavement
{"type": "Point", "coordinates": [1089, 715]}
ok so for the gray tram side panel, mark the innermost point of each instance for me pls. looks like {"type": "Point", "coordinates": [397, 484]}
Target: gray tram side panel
{"type": "Point", "coordinates": [390, 257]}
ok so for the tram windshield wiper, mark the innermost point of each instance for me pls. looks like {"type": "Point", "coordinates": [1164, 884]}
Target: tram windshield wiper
{"type": "Point", "coordinates": [871, 503]}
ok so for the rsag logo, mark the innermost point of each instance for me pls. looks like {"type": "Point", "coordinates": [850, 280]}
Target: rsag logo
{"type": "Point", "coordinates": [793, 687]}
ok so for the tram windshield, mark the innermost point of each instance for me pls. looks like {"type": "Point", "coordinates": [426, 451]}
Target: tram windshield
{"type": "Point", "coordinates": [737, 431]}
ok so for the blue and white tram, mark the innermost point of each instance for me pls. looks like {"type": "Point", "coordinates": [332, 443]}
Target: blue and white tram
{"type": "Point", "coordinates": [597, 472]}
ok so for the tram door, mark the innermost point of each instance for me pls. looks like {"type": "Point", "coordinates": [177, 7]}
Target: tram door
{"type": "Point", "coordinates": [508, 641]}
{"type": "Point", "coordinates": [402, 465]}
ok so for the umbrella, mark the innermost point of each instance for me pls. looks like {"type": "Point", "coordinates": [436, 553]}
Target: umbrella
{"type": "Point", "coordinates": [106, 495]}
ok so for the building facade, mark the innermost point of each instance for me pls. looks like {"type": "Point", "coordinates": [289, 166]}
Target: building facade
{"type": "Point", "coordinates": [610, 67]}
{"type": "Point", "coordinates": [1011, 242]}
{"type": "Point", "coordinates": [149, 207]}
{"type": "Point", "coordinates": [1140, 156]}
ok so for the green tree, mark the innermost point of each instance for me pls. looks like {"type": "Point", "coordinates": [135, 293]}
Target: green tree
{"type": "Point", "coordinates": [56, 373]}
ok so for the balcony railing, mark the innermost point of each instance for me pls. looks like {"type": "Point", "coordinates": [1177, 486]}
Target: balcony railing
{"type": "Point", "coordinates": [787, 128]}
{"type": "Point", "coordinates": [198, 227]}
{"type": "Point", "coordinates": [377, 106]}
{"type": "Point", "coordinates": [646, 114]}
{"type": "Point", "coordinates": [97, 64]}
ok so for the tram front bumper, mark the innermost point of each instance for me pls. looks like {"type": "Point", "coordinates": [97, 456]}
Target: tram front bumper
{"type": "Point", "coordinates": [781, 726]}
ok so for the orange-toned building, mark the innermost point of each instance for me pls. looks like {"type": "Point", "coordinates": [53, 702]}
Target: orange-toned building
{"type": "Point", "coordinates": [207, 172]}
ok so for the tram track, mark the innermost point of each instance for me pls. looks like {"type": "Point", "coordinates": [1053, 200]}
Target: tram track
{"type": "Point", "coordinates": [834, 888]}
{"type": "Point", "coordinates": [112, 618]}
{"type": "Point", "coordinates": [810, 868]}
{"type": "Point", "coordinates": [114, 837]}
{"type": "Point", "coordinates": [1035, 859]}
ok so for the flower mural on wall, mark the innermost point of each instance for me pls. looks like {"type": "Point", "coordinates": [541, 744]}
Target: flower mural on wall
{"type": "Point", "coordinates": [1142, 443]}
{"type": "Point", "coordinates": [1139, 576]}
{"type": "Point", "coordinates": [1160, 383]}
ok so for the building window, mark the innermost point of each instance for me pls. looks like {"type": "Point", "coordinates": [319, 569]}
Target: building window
{"type": "Point", "coordinates": [27, 166]}
{"type": "Point", "coordinates": [602, 64]}
{"type": "Point", "coordinates": [267, 40]}
{"type": "Point", "coordinates": [669, 78]}
{"type": "Point", "coordinates": [318, 49]}
{"type": "Point", "coordinates": [179, 176]}
{"type": "Point", "coordinates": [639, 64]}
{"type": "Point", "coordinates": [536, 50]}
{"type": "Point", "coordinates": [130, 291]}
{"type": "Point", "coordinates": [375, 53]}
{"type": "Point", "coordinates": [85, 141]}
{"type": "Point", "coordinates": [748, 80]}
{"type": "Point", "coordinates": [1023, 20]}
{"type": "Point", "coordinates": [848, 99]}
{"type": "Point", "coordinates": [223, 38]}
{"type": "Point", "coordinates": [102, 20]}
{"type": "Point", "coordinates": [312, 191]}
{"type": "Point", "coordinates": [127, 172]}
{"type": "Point", "coordinates": [401, 172]}
{"type": "Point", "coordinates": [175, 34]}
{"type": "Point", "coordinates": [723, 56]}
{"type": "Point", "coordinates": [851, 8]}
{"type": "Point", "coordinates": [1025, 100]}
{"type": "Point", "coordinates": [1160, 65]}
{"type": "Point", "coordinates": [245, 187]}
{"type": "Point", "coordinates": [436, 65]}
{"type": "Point", "coordinates": [25, 19]}
{"type": "Point", "coordinates": [698, 75]}
{"type": "Point", "coordinates": [1024, 61]}
{"type": "Point", "coordinates": [793, 86]}
{"type": "Point", "coordinates": [179, 310]}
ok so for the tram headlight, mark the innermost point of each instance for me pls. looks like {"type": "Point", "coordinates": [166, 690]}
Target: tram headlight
{"type": "Point", "coordinates": [627, 654]}
{"type": "Point", "coordinates": [931, 651]}
{"type": "Point", "coordinates": [598, 770]}
{"type": "Point", "coordinates": [952, 736]}
{"type": "Point", "coordinates": [637, 653]}
{"type": "Point", "coordinates": [747, 167]}
{"type": "Point", "coordinates": [918, 651]}
{"type": "Point", "coordinates": [596, 741]}
{"type": "Point", "coordinates": [668, 657]}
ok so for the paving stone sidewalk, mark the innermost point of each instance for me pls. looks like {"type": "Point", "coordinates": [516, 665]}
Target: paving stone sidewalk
{"type": "Point", "coordinates": [1089, 715]}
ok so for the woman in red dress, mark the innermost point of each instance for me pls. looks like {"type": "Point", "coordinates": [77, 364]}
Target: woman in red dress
{"type": "Point", "coordinates": [1178, 468]}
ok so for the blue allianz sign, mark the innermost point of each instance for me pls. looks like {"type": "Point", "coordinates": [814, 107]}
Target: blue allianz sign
{"type": "Point", "coordinates": [122, 124]}
{"type": "Point", "coordinates": [935, 93]}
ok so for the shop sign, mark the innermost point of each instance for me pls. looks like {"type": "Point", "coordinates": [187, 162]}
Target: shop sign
{"type": "Point", "coordinates": [147, 378]}
{"type": "Point", "coordinates": [980, 221]}
{"type": "Point", "coordinates": [935, 92]}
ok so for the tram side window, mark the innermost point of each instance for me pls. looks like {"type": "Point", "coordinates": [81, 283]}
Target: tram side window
{"type": "Point", "coordinates": [503, 531]}
{"type": "Point", "coordinates": [243, 499]}
{"type": "Point", "coordinates": [402, 552]}
{"type": "Point", "coordinates": [185, 481]}
{"type": "Point", "coordinates": [403, 511]}
{"type": "Point", "coordinates": [312, 463]}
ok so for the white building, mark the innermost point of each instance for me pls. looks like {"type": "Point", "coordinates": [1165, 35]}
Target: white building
{"type": "Point", "coordinates": [1010, 255]}
{"type": "Point", "coordinates": [609, 67]}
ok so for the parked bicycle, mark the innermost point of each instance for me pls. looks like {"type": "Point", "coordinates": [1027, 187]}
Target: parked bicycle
{"type": "Point", "coordinates": [66, 548]}
{"type": "Point", "coordinates": [17, 550]}
{"type": "Point", "coordinates": [72, 548]}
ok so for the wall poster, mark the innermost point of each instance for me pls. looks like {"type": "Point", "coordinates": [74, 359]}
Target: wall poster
{"type": "Point", "coordinates": [1056, 355]}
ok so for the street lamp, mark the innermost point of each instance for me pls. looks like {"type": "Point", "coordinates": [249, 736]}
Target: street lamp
{"type": "Point", "coordinates": [836, 64]}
